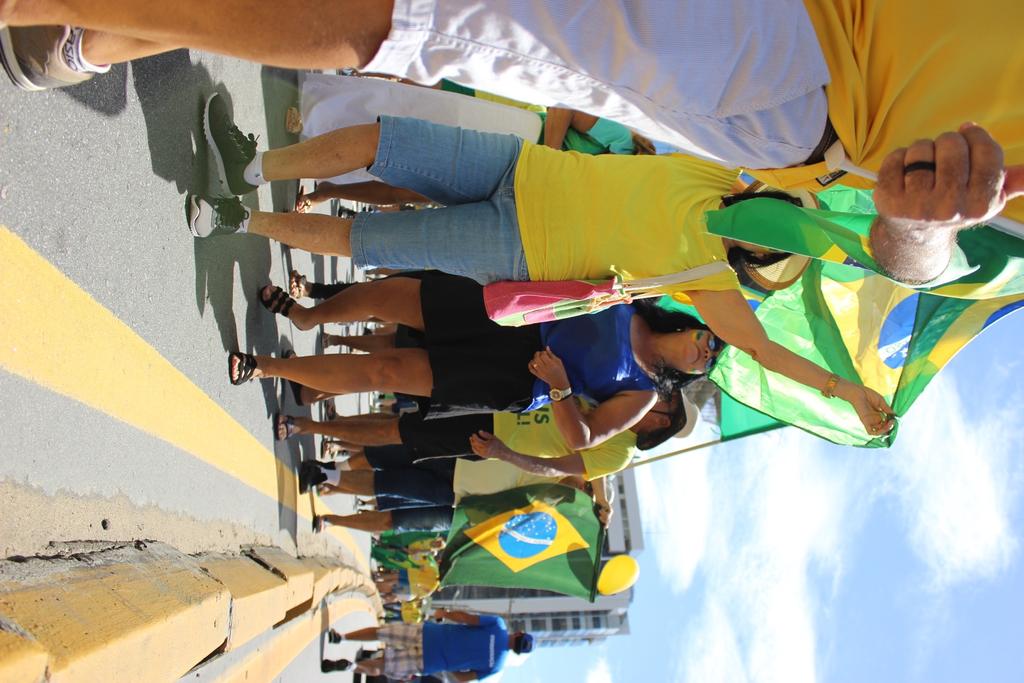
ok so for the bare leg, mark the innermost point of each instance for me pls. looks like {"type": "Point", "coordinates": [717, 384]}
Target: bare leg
{"type": "Point", "coordinates": [291, 33]}
{"type": "Point", "coordinates": [347, 450]}
{"type": "Point", "coordinates": [356, 461]}
{"type": "Point", "coordinates": [396, 299]}
{"type": "Point", "coordinates": [324, 156]}
{"type": "Point", "coordinates": [362, 521]}
{"type": "Point", "coordinates": [370, 343]}
{"type": "Point", "coordinates": [312, 232]}
{"type": "Point", "coordinates": [353, 428]}
{"type": "Point", "coordinates": [402, 370]}
{"type": "Point", "coordinates": [356, 483]}
{"type": "Point", "coordinates": [311, 396]}
{"type": "Point", "coordinates": [371, 667]}
{"type": "Point", "coordinates": [101, 47]}
{"type": "Point", "coordinates": [364, 634]}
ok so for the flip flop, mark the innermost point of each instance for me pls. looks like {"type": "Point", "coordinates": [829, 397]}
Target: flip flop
{"type": "Point", "coordinates": [277, 300]}
{"type": "Point", "coordinates": [289, 426]}
{"type": "Point", "coordinates": [242, 371]}
{"type": "Point", "coordinates": [297, 280]}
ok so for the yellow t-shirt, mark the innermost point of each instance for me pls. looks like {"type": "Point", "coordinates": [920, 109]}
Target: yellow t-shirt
{"type": "Point", "coordinates": [535, 433]}
{"type": "Point", "coordinates": [902, 70]}
{"type": "Point", "coordinates": [590, 217]}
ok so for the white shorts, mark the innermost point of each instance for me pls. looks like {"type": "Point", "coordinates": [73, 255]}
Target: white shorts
{"type": "Point", "coordinates": [743, 87]}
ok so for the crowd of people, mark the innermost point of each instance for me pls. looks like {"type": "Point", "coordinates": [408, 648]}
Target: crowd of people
{"type": "Point", "coordinates": [799, 95]}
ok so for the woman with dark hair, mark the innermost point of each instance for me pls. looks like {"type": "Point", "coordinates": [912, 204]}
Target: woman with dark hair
{"type": "Point", "coordinates": [520, 211]}
{"type": "Point", "coordinates": [612, 358]}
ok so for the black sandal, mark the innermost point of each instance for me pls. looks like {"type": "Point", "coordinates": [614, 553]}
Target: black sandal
{"type": "Point", "coordinates": [242, 371]}
{"type": "Point", "coordinates": [288, 422]}
{"type": "Point", "coordinates": [277, 302]}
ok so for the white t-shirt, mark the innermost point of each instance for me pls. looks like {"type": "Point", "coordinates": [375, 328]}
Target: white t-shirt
{"type": "Point", "coordinates": [734, 81]}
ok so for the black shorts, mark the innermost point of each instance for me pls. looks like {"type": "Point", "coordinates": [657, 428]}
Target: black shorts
{"type": "Point", "coordinates": [442, 437]}
{"type": "Point", "coordinates": [432, 519]}
{"type": "Point", "coordinates": [400, 488]}
{"type": "Point", "coordinates": [475, 362]}
{"type": "Point", "coordinates": [400, 456]}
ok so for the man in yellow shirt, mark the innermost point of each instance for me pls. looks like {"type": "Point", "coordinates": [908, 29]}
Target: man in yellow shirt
{"type": "Point", "coordinates": [534, 439]}
{"type": "Point", "coordinates": [414, 486]}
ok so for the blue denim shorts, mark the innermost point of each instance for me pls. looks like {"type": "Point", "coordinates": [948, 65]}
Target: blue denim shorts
{"type": "Point", "coordinates": [476, 234]}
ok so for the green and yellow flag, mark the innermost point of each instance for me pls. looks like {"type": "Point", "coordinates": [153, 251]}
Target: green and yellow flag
{"type": "Point", "coordinates": [863, 327]}
{"type": "Point", "coordinates": [986, 264]}
{"type": "Point", "coordinates": [544, 536]}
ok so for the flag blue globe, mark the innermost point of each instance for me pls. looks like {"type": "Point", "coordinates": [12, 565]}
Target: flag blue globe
{"type": "Point", "coordinates": [524, 536]}
{"type": "Point", "coordinates": [894, 337]}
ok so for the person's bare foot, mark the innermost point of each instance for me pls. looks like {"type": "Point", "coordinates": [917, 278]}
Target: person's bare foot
{"type": "Point", "coordinates": [298, 285]}
{"type": "Point", "coordinates": [305, 201]}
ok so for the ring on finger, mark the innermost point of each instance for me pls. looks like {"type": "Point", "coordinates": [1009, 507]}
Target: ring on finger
{"type": "Point", "coordinates": [919, 166]}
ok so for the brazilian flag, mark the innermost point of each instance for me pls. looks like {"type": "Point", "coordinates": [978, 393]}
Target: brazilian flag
{"type": "Point", "coordinates": [986, 263]}
{"type": "Point", "coordinates": [863, 327]}
{"type": "Point", "coordinates": [543, 536]}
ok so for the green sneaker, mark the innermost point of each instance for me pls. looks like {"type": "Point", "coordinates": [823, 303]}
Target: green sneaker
{"type": "Point", "coordinates": [231, 148]}
{"type": "Point", "coordinates": [223, 215]}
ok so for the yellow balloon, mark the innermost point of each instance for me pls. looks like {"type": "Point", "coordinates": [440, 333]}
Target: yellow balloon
{"type": "Point", "coordinates": [618, 574]}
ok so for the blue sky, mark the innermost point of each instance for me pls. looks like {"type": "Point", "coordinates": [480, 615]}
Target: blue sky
{"type": "Point", "coordinates": [784, 559]}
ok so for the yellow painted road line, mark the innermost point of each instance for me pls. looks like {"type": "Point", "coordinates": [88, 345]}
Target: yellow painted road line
{"type": "Point", "coordinates": [270, 659]}
{"type": "Point", "coordinates": [110, 368]}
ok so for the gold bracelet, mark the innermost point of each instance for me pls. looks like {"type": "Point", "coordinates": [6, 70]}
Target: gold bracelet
{"type": "Point", "coordinates": [830, 386]}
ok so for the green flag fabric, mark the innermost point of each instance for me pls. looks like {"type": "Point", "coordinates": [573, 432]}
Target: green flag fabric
{"type": "Point", "coordinates": [987, 264]}
{"type": "Point", "coordinates": [736, 420]}
{"type": "Point", "coordinates": [863, 327]}
{"type": "Point", "coordinates": [543, 536]}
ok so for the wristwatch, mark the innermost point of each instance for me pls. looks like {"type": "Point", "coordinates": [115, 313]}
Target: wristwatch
{"type": "Point", "coordinates": [560, 394]}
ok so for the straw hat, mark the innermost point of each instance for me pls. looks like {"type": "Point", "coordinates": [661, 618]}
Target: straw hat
{"type": "Point", "coordinates": [774, 276]}
{"type": "Point", "coordinates": [776, 270]}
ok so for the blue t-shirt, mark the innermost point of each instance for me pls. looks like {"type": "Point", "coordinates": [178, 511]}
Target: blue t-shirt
{"type": "Point", "coordinates": [460, 647]}
{"type": "Point", "coordinates": [597, 354]}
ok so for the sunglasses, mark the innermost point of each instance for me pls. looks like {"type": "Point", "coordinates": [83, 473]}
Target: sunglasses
{"type": "Point", "coordinates": [715, 346]}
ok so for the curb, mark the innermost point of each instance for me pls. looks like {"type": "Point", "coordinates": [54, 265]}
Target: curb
{"type": "Point", "coordinates": [108, 615]}
{"type": "Point", "coordinates": [144, 611]}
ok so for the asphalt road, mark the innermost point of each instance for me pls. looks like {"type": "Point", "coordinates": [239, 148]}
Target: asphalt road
{"type": "Point", "coordinates": [117, 418]}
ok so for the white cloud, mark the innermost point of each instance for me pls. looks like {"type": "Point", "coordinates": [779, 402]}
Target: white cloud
{"type": "Point", "coordinates": [957, 478]}
{"type": "Point", "coordinates": [600, 672]}
{"type": "Point", "coordinates": [762, 526]}
{"type": "Point", "coordinates": [774, 538]}
{"type": "Point", "coordinates": [675, 506]}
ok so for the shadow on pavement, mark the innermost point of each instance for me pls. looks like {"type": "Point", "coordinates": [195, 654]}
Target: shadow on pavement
{"type": "Point", "coordinates": [167, 86]}
{"type": "Point", "coordinates": [106, 93]}
{"type": "Point", "coordinates": [290, 452]}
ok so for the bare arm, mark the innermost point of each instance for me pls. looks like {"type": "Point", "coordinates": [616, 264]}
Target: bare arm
{"type": "Point", "coordinates": [920, 212]}
{"type": "Point", "coordinates": [732, 320]}
{"type": "Point", "coordinates": [465, 676]}
{"type": "Point", "coordinates": [611, 417]}
{"type": "Point", "coordinates": [556, 125]}
{"type": "Point", "coordinates": [602, 502]}
{"type": "Point", "coordinates": [489, 446]}
{"type": "Point", "coordinates": [457, 617]}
